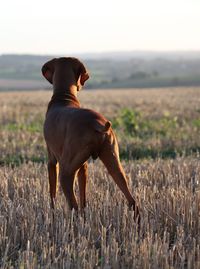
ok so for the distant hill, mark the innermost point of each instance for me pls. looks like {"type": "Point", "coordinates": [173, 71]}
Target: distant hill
{"type": "Point", "coordinates": [108, 70]}
{"type": "Point", "coordinates": [127, 55]}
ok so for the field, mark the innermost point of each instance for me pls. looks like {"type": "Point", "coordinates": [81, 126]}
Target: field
{"type": "Point", "coordinates": [109, 70]}
{"type": "Point", "coordinates": [158, 132]}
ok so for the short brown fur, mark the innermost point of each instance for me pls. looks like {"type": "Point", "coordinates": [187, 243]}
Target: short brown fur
{"type": "Point", "coordinates": [73, 134]}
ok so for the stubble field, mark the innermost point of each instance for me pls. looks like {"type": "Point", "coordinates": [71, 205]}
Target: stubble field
{"type": "Point", "coordinates": [158, 132]}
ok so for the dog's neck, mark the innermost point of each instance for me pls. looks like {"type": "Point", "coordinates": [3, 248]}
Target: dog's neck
{"type": "Point", "coordinates": [67, 97]}
{"type": "Point", "coordinates": [72, 90]}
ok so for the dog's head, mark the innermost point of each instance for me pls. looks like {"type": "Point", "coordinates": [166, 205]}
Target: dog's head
{"type": "Point", "coordinates": [65, 68]}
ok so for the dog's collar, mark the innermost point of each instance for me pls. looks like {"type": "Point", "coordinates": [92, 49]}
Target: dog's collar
{"type": "Point", "coordinates": [64, 99]}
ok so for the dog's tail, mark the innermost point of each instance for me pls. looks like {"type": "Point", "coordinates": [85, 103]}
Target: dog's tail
{"type": "Point", "coordinates": [102, 128]}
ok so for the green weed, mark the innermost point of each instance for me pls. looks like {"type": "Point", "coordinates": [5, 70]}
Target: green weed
{"type": "Point", "coordinates": [164, 137]}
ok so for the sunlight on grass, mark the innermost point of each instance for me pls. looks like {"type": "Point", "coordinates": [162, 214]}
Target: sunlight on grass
{"type": "Point", "coordinates": [158, 133]}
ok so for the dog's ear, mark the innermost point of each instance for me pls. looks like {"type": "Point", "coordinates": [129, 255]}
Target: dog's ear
{"type": "Point", "coordinates": [48, 70]}
{"type": "Point", "coordinates": [84, 77]}
{"type": "Point", "coordinates": [83, 74]}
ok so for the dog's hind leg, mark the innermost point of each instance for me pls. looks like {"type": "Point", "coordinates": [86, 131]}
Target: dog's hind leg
{"type": "Point", "coordinates": [67, 184]}
{"type": "Point", "coordinates": [69, 166]}
{"type": "Point", "coordinates": [82, 180]}
{"type": "Point", "coordinates": [109, 155]}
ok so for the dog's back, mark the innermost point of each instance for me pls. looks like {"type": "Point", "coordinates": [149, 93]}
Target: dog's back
{"type": "Point", "coordinates": [70, 128]}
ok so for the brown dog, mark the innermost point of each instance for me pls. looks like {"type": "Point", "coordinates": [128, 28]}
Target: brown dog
{"type": "Point", "coordinates": [73, 134]}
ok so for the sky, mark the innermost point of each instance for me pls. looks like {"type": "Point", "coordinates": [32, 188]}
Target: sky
{"type": "Point", "coordinates": [82, 26]}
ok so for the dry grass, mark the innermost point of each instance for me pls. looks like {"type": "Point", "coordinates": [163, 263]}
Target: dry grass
{"type": "Point", "coordinates": [168, 193]}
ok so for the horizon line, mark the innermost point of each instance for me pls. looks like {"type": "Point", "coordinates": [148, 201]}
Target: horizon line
{"type": "Point", "coordinates": [102, 52]}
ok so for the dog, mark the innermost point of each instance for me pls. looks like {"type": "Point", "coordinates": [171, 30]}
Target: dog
{"type": "Point", "coordinates": [74, 134]}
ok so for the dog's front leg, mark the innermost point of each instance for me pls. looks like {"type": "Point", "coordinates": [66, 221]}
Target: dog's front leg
{"type": "Point", "coordinates": [52, 171]}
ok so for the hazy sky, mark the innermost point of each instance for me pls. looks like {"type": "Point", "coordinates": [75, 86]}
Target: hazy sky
{"type": "Point", "coordinates": [72, 26]}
